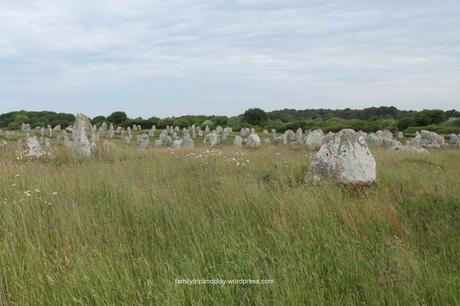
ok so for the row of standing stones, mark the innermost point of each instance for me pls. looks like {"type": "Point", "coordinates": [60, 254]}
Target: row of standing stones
{"type": "Point", "coordinates": [343, 157]}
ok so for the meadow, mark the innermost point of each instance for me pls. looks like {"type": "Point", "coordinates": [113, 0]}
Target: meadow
{"type": "Point", "coordinates": [120, 228]}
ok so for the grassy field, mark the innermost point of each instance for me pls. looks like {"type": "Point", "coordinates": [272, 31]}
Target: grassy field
{"type": "Point", "coordinates": [122, 227]}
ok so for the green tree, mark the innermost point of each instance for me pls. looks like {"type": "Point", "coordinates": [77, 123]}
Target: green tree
{"type": "Point", "coordinates": [117, 118]}
{"type": "Point", "coordinates": [19, 119]}
{"type": "Point", "coordinates": [98, 120]}
{"type": "Point", "coordinates": [255, 116]}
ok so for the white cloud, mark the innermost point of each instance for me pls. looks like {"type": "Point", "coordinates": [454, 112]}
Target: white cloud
{"type": "Point", "coordinates": [273, 53]}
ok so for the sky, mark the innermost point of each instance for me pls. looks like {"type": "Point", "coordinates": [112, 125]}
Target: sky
{"type": "Point", "coordinates": [176, 57]}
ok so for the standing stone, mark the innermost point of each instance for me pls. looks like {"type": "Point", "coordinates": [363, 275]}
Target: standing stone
{"type": "Point", "coordinates": [253, 140]}
{"type": "Point", "coordinates": [193, 132]}
{"type": "Point", "coordinates": [212, 139]}
{"type": "Point", "coordinates": [454, 139]}
{"type": "Point", "coordinates": [111, 130]}
{"type": "Point", "coordinates": [290, 135]}
{"type": "Point", "coordinates": [374, 139]}
{"type": "Point", "coordinates": [152, 131]}
{"type": "Point", "coordinates": [391, 143]}
{"type": "Point", "coordinates": [299, 136]}
{"type": "Point", "coordinates": [82, 147]}
{"type": "Point", "coordinates": [187, 143]}
{"type": "Point", "coordinates": [328, 137]}
{"type": "Point", "coordinates": [176, 144]}
{"type": "Point", "coordinates": [127, 139]}
{"type": "Point", "coordinates": [267, 141]}
{"type": "Point", "coordinates": [225, 133]}
{"type": "Point", "coordinates": [32, 148]}
{"type": "Point", "coordinates": [345, 159]}
{"type": "Point", "coordinates": [400, 135]}
{"type": "Point", "coordinates": [48, 142]}
{"type": "Point", "coordinates": [143, 141]}
{"type": "Point", "coordinates": [314, 140]}
{"type": "Point", "coordinates": [104, 127]}
{"type": "Point", "coordinates": [385, 134]}
{"type": "Point", "coordinates": [238, 141]}
{"type": "Point", "coordinates": [431, 140]}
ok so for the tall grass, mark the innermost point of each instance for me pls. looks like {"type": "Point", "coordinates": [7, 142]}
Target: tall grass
{"type": "Point", "coordinates": [120, 228]}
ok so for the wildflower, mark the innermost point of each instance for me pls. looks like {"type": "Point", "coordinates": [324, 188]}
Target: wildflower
{"type": "Point", "coordinates": [38, 190]}
{"type": "Point", "coordinates": [28, 193]}
{"type": "Point", "coordinates": [54, 193]}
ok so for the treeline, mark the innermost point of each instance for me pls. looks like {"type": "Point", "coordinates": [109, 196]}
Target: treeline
{"type": "Point", "coordinates": [369, 119]}
{"type": "Point", "coordinates": [14, 120]}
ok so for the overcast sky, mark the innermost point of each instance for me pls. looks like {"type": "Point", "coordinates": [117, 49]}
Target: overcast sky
{"type": "Point", "coordinates": [176, 57]}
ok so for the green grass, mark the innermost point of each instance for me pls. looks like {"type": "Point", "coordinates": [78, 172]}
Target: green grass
{"type": "Point", "coordinates": [124, 225]}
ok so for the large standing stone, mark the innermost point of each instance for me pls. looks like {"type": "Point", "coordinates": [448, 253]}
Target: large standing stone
{"type": "Point", "coordinates": [82, 147]}
{"type": "Point", "coordinates": [345, 159]}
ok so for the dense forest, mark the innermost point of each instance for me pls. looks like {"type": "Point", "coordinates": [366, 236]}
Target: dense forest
{"type": "Point", "coordinates": [369, 119]}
